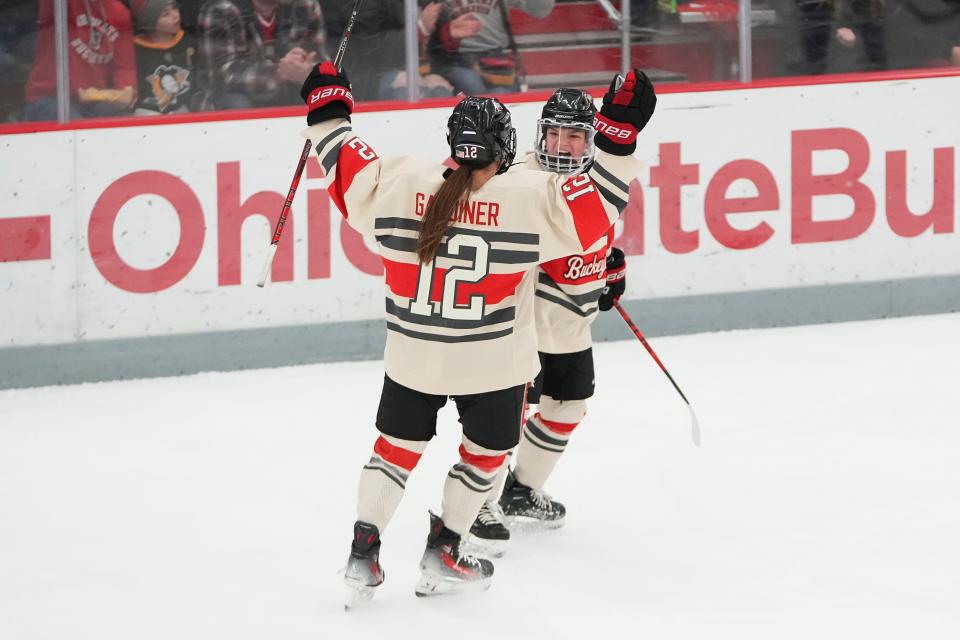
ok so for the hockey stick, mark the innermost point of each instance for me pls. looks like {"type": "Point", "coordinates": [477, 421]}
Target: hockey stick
{"type": "Point", "coordinates": [304, 154]}
{"type": "Point", "coordinates": [694, 423]}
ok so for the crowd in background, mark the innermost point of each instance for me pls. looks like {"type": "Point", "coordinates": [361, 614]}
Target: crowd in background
{"type": "Point", "coordinates": [150, 57]}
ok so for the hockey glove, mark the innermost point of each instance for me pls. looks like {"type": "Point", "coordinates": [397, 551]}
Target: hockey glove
{"type": "Point", "coordinates": [625, 112]}
{"type": "Point", "coordinates": [327, 94]}
{"type": "Point", "coordinates": [616, 279]}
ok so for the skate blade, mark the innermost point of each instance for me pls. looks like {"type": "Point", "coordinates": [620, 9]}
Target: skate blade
{"type": "Point", "coordinates": [484, 547]}
{"type": "Point", "coordinates": [358, 594]}
{"type": "Point", "coordinates": [431, 586]}
{"type": "Point", "coordinates": [527, 524]}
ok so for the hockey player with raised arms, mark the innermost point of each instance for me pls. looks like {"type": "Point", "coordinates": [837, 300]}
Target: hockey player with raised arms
{"type": "Point", "coordinates": [569, 291]}
{"type": "Point", "coordinates": [456, 245]}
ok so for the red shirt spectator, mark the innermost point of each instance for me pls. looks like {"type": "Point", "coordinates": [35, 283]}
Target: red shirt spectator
{"type": "Point", "coordinates": [100, 40]}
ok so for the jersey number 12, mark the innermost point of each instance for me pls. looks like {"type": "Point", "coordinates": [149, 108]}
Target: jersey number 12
{"type": "Point", "coordinates": [449, 308]}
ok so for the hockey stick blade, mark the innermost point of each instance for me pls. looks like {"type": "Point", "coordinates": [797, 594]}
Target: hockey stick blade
{"type": "Point", "coordinates": [694, 423]}
{"type": "Point", "coordinates": [694, 427]}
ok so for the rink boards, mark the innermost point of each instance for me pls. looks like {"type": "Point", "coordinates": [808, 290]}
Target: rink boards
{"type": "Point", "coordinates": [134, 251]}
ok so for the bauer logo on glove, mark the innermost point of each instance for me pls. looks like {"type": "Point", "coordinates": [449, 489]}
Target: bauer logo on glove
{"type": "Point", "coordinates": [327, 93]}
{"type": "Point", "coordinates": [613, 129]}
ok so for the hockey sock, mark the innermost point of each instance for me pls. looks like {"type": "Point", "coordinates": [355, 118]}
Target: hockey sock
{"type": "Point", "coordinates": [497, 490]}
{"type": "Point", "coordinates": [468, 484]}
{"type": "Point", "coordinates": [384, 478]}
{"type": "Point", "coordinates": [545, 437]}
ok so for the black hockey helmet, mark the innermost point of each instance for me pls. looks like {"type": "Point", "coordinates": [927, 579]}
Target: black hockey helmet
{"type": "Point", "coordinates": [479, 132]}
{"type": "Point", "coordinates": [567, 110]}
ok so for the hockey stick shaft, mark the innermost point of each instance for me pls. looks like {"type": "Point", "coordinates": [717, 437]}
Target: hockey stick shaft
{"type": "Point", "coordinates": [695, 424]}
{"type": "Point", "coordinates": [304, 154]}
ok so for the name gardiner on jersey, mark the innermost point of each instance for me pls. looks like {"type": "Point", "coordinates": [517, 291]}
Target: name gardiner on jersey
{"type": "Point", "coordinates": [321, 96]}
{"type": "Point", "coordinates": [476, 212]}
{"type": "Point", "coordinates": [576, 269]}
{"type": "Point", "coordinates": [619, 132]}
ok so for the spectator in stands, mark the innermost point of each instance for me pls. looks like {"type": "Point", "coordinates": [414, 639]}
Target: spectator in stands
{"type": "Point", "coordinates": [922, 33]}
{"type": "Point", "coordinates": [164, 58]}
{"type": "Point", "coordinates": [102, 67]}
{"type": "Point", "coordinates": [189, 13]}
{"type": "Point", "coordinates": [815, 23]}
{"type": "Point", "coordinates": [375, 59]}
{"type": "Point", "coordinates": [257, 53]}
{"type": "Point", "coordinates": [863, 20]}
{"type": "Point", "coordinates": [472, 44]}
{"type": "Point", "coordinates": [18, 42]}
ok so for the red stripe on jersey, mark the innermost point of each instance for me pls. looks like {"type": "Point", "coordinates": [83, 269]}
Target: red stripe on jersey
{"type": "Point", "coordinates": [402, 278]}
{"type": "Point", "coordinates": [396, 455]}
{"type": "Point", "coordinates": [579, 269]}
{"type": "Point", "coordinates": [556, 427]}
{"type": "Point", "coordinates": [494, 288]}
{"type": "Point", "coordinates": [484, 463]}
{"type": "Point", "coordinates": [589, 216]}
{"type": "Point", "coordinates": [355, 154]}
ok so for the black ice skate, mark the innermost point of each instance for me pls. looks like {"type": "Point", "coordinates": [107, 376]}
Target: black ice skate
{"type": "Point", "coordinates": [444, 568]}
{"type": "Point", "coordinates": [527, 509]}
{"type": "Point", "coordinates": [363, 573]}
{"type": "Point", "coordinates": [489, 534]}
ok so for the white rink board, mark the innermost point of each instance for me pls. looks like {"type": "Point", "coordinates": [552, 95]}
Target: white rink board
{"type": "Point", "coordinates": [69, 297]}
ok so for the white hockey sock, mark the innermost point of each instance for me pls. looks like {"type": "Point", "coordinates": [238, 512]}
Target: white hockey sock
{"type": "Point", "coordinates": [545, 438]}
{"type": "Point", "coordinates": [497, 490]}
{"type": "Point", "coordinates": [384, 478]}
{"type": "Point", "coordinates": [468, 484]}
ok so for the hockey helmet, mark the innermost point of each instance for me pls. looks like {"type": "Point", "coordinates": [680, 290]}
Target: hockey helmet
{"type": "Point", "coordinates": [565, 123]}
{"type": "Point", "coordinates": [479, 132]}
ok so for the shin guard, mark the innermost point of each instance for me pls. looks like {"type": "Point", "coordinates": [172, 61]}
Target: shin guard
{"type": "Point", "coordinates": [384, 478]}
{"type": "Point", "coordinates": [468, 484]}
{"type": "Point", "coordinates": [545, 438]}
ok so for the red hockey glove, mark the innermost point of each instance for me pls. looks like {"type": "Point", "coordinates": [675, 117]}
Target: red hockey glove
{"type": "Point", "coordinates": [616, 279]}
{"type": "Point", "coordinates": [625, 112]}
{"type": "Point", "coordinates": [327, 94]}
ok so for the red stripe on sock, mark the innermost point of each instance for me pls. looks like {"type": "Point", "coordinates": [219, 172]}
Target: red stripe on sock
{"type": "Point", "coordinates": [396, 455]}
{"type": "Point", "coordinates": [557, 427]}
{"type": "Point", "coordinates": [484, 463]}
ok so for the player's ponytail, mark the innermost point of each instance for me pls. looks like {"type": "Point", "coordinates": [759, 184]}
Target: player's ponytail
{"type": "Point", "coordinates": [440, 211]}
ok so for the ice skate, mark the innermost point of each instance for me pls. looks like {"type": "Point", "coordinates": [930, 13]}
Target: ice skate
{"type": "Point", "coordinates": [489, 534]}
{"type": "Point", "coordinates": [444, 568]}
{"type": "Point", "coordinates": [527, 509]}
{"type": "Point", "coordinates": [363, 573]}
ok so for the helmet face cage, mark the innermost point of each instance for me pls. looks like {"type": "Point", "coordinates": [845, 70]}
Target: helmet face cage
{"type": "Point", "coordinates": [480, 131]}
{"type": "Point", "coordinates": [568, 114]}
{"type": "Point", "coordinates": [568, 134]}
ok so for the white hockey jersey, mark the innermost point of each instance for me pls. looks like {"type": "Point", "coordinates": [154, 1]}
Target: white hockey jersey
{"type": "Point", "coordinates": [464, 323]}
{"type": "Point", "coordinates": [568, 288]}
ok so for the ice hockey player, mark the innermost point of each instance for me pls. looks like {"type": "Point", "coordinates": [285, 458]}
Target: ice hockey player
{"type": "Point", "coordinates": [569, 291]}
{"type": "Point", "coordinates": [456, 245]}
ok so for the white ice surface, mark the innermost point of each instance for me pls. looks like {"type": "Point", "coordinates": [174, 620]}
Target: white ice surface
{"type": "Point", "coordinates": [825, 502]}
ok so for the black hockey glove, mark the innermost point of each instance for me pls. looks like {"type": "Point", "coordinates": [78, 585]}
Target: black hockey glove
{"type": "Point", "coordinates": [327, 94]}
{"type": "Point", "coordinates": [625, 112]}
{"type": "Point", "coordinates": [616, 279]}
